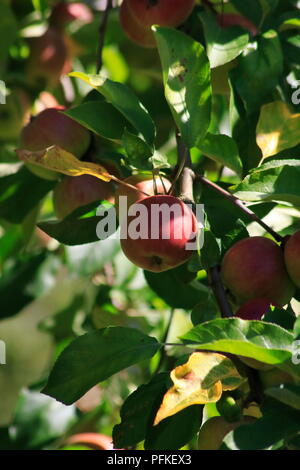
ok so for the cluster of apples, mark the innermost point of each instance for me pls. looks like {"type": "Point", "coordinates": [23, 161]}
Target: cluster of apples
{"type": "Point", "coordinates": [50, 57]}
{"type": "Point", "coordinates": [260, 273]}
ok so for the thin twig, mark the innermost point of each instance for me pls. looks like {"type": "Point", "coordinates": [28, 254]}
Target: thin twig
{"type": "Point", "coordinates": [102, 30]}
{"type": "Point", "coordinates": [219, 292]}
{"type": "Point", "coordinates": [163, 351]}
{"type": "Point", "coordinates": [238, 203]}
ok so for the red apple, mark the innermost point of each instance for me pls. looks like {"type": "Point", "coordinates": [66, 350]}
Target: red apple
{"type": "Point", "coordinates": [164, 236]}
{"type": "Point", "coordinates": [138, 33]}
{"type": "Point", "coordinates": [137, 17]}
{"type": "Point", "coordinates": [161, 12]}
{"type": "Point", "coordinates": [292, 257]}
{"type": "Point", "coordinates": [145, 184]}
{"type": "Point", "coordinates": [254, 268]}
{"type": "Point", "coordinates": [51, 127]}
{"type": "Point", "coordinates": [48, 60]}
{"type": "Point", "coordinates": [253, 309]}
{"type": "Point", "coordinates": [64, 13]}
{"type": "Point", "coordinates": [76, 191]}
{"type": "Point", "coordinates": [233, 19]}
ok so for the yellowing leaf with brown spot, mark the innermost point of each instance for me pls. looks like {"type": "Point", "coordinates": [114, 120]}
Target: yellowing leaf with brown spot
{"type": "Point", "coordinates": [199, 381]}
{"type": "Point", "coordinates": [277, 129]}
{"type": "Point", "coordinates": [56, 159]}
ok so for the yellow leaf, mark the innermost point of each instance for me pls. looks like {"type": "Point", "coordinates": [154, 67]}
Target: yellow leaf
{"type": "Point", "coordinates": [199, 381]}
{"type": "Point", "coordinates": [56, 159]}
{"type": "Point", "coordinates": [277, 129]}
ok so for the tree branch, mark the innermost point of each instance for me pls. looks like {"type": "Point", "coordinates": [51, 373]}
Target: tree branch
{"type": "Point", "coordinates": [219, 292]}
{"type": "Point", "coordinates": [238, 203]}
{"type": "Point", "coordinates": [102, 31]}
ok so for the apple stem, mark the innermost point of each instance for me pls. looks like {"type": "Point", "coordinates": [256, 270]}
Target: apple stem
{"type": "Point", "coordinates": [102, 31]}
{"type": "Point", "coordinates": [240, 204]}
{"type": "Point", "coordinates": [117, 180]}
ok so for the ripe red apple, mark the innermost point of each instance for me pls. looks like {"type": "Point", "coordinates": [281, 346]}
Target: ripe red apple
{"type": "Point", "coordinates": [165, 227]}
{"type": "Point", "coordinates": [138, 33]}
{"type": "Point", "coordinates": [234, 19]}
{"type": "Point", "coordinates": [145, 184]}
{"type": "Point", "coordinates": [253, 268]}
{"type": "Point", "coordinates": [51, 127]}
{"type": "Point", "coordinates": [64, 13]}
{"type": "Point", "coordinates": [292, 257]}
{"type": "Point", "coordinates": [253, 309]}
{"type": "Point", "coordinates": [76, 191]}
{"type": "Point", "coordinates": [137, 17]}
{"type": "Point", "coordinates": [48, 60]}
{"type": "Point", "coordinates": [161, 12]}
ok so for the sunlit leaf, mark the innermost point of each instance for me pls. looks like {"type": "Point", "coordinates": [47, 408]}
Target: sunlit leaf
{"type": "Point", "coordinates": [57, 159]}
{"type": "Point", "coordinates": [199, 381]}
{"type": "Point", "coordinates": [124, 100]}
{"type": "Point", "coordinates": [260, 340]}
{"type": "Point", "coordinates": [277, 129]}
{"type": "Point", "coordinates": [186, 76]}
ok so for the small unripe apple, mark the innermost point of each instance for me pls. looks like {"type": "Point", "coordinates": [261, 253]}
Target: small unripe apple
{"type": "Point", "coordinates": [13, 114]}
{"type": "Point", "coordinates": [49, 59]}
{"type": "Point", "coordinates": [76, 191]}
{"type": "Point", "coordinates": [51, 127]}
{"type": "Point", "coordinates": [234, 19]}
{"type": "Point", "coordinates": [292, 257]}
{"type": "Point", "coordinates": [165, 225]}
{"type": "Point", "coordinates": [146, 186]}
{"type": "Point", "coordinates": [137, 17]}
{"type": "Point", "coordinates": [64, 13]}
{"type": "Point", "coordinates": [253, 268]}
{"type": "Point", "coordinates": [215, 429]}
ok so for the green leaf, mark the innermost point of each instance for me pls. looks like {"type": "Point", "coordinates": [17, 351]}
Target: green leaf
{"type": "Point", "coordinates": [277, 180]}
{"type": "Point", "coordinates": [94, 357]}
{"type": "Point", "coordinates": [243, 130]}
{"type": "Point", "coordinates": [223, 44]}
{"type": "Point", "coordinates": [21, 192]}
{"type": "Point", "coordinates": [186, 76]}
{"type": "Point", "coordinates": [210, 253]}
{"type": "Point", "coordinates": [174, 289]}
{"type": "Point", "coordinates": [77, 231]}
{"type": "Point", "coordinates": [138, 411]}
{"type": "Point", "coordinates": [252, 11]}
{"type": "Point", "coordinates": [13, 285]}
{"type": "Point", "coordinates": [99, 117]}
{"type": "Point", "coordinates": [222, 149]}
{"type": "Point", "coordinates": [9, 29]}
{"type": "Point", "coordinates": [277, 129]}
{"type": "Point", "coordinates": [124, 100]}
{"type": "Point", "coordinates": [289, 394]}
{"type": "Point", "coordinates": [262, 341]}
{"type": "Point", "coordinates": [278, 421]}
{"type": "Point", "coordinates": [205, 310]}
{"type": "Point", "coordinates": [138, 152]}
{"type": "Point", "coordinates": [176, 431]}
{"type": "Point", "coordinates": [259, 70]}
